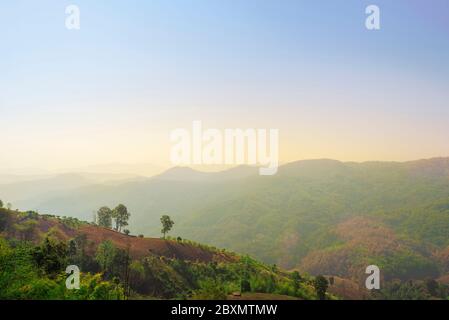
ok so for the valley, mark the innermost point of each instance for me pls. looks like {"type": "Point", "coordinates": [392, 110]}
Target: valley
{"type": "Point", "coordinates": [315, 216]}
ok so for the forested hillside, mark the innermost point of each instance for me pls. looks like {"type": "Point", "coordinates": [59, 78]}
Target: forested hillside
{"type": "Point", "coordinates": [316, 216]}
{"type": "Point", "coordinates": [36, 249]}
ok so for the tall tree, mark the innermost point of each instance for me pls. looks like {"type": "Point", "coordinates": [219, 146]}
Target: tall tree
{"type": "Point", "coordinates": [104, 217]}
{"type": "Point", "coordinates": [105, 256]}
{"type": "Point", "coordinates": [167, 224]}
{"type": "Point", "coordinates": [296, 277]}
{"type": "Point", "coordinates": [121, 216]}
{"type": "Point", "coordinates": [321, 286]}
{"type": "Point", "coordinates": [51, 255]}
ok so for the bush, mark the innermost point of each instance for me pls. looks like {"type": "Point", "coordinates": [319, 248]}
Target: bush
{"type": "Point", "coordinates": [210, 290]}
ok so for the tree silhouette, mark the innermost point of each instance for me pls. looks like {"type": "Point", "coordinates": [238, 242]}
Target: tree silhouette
{"type": "Point", "coordinates": [167, 224]}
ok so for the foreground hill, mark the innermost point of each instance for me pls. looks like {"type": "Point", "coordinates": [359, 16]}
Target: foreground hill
{"type": "Point", "coordinates": [36, 249]}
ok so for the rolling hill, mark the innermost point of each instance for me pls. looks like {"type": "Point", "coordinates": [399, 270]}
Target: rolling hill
{"type": "Point", "coordinates": [35, 251]}
{"type": "Point", "coordinates": [319, 216]}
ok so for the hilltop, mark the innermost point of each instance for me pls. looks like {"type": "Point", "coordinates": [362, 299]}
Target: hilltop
{"type": "Point", "coordinates": [64, 229]}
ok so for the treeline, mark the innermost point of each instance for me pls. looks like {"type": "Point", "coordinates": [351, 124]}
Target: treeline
{"type": "Point", "coordinates": [118, 216]}
{"type": "Point", "coordinates": [428, 289]}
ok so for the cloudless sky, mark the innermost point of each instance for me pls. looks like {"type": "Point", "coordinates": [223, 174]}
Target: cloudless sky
{"type": "Point", "coordinates": [113, 91]}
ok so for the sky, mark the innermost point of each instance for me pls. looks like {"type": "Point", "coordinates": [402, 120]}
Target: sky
{"type": "Point", "coordinates": [113, 91]}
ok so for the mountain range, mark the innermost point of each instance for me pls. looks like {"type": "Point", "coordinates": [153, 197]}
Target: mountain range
{"type": "Point", "coordinates": [318, 216]}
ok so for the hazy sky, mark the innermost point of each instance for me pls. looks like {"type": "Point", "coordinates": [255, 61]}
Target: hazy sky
{"type": "Point", "coordinates": [113, 91]}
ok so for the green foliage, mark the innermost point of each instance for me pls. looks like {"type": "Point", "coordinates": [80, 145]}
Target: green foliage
{"type": "Point", "coordinates": [51, 257]}
{"type": "Point", "coordinates": [4, 219]}
{"type": "Point", "coordinates": [321, 284]}
{"type": "Point", "coordinates": [105, 256]}
{"type": "Point", "coordinates": [70, 222]}
{"type": "Point", "coordinates": [412, 290]}
{"type": "Point", "coordinates": [403, 291]}
{"type": "Point", "coordinates": [167, 224]}
{"type": "Point", "coordinates": [24, 278]}
{"type": "Point", "coordinates": [406, 265]}
{"type": "Point", "coordinates": [104, 217]}
{"type": "Point", "coordinates": [93, 287]}
{"type": "Point", "coordinates": [25, 229]}
{"type": "Point", "coordinates": [245, 285]}
{"type": "Point", "coordinates": [294, 214]}
{"type": "Point", "coordinates": [296, 278]}
{"type": "Point", "coordinates": [210, 290]}
{"type": "Point", "coordinates": [121, 216]}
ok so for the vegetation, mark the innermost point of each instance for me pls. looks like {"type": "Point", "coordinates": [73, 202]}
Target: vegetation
{"type": "Point", "coordinates": [167, 224]}
{"type": "Point", "coordinates": [319, 216]}
{"type": "Point", "coordinates": [104, 216]}
{"type": "Point", "coordinates": [334, 218]}
{"type": "Point", "coordinates": [33, 267]}
{"type": "Point", "coordinates": [121, 216]}
{"type": "Point", "coordinates": [29, 272]}
{"type": "Point", "coordinates": [413, 290]}
{"type": "Point", "coordinates": [321, 284]}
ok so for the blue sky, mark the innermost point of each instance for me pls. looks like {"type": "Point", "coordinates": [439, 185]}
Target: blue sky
{"type": "Point", "coordinates": [112, 91]}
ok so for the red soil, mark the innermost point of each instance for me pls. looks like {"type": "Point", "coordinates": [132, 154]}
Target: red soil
{"type": "Point", "coordinates": [141, 247]}
{"type": "Point", "coordinates": [138, 247]}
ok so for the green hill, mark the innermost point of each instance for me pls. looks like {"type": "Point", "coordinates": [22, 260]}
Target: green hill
{"type": "Point", "coordinates": [36, 249]}
{"type": "Point", "coordinates": [319, 216]}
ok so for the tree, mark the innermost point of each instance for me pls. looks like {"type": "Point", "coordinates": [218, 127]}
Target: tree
{"type": "Point", "coordinates": [126, 231]}
{"type": "Point", "coordinates": [245, 285]}
{"type": "Point", "coordinates": [1, 204]}
{"type": "Point", "coordinates": [104, 217]}
{"type": "Point", "coordinates": [296, 277]}
{"type": "Point", "coordinates": [210, 290]}
{"type": "Point", "coordinates": [167, 224]}
{"type": "Point", "coordinates": [320, 284]}
{"type": "Point", "coordinates": [105, 256]}
{"type": "Point", "coordinates": [122, 262]}
{"type": "Point", "coordinates": [121, 216]}
{"type": "Point", "coordinates": [26, 229]}
{"type": "Point", "coordinates": [51, 256]}
{"type": "Point", "coordinates": [432, 287]}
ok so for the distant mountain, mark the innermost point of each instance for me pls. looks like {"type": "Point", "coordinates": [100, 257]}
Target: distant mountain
{"type": "Point", "coordinates": [138, 169]}
{"type": "Point", "coordinates": [189, 174]}
{"type": "Point", "coordinates": [304, 215]}
{"type": "Point", "coordinates": [41, 187]}
{"type": "Point", "coordinates": [29, 191]}
{"type": "Point", "coordinates": [14, 178]}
